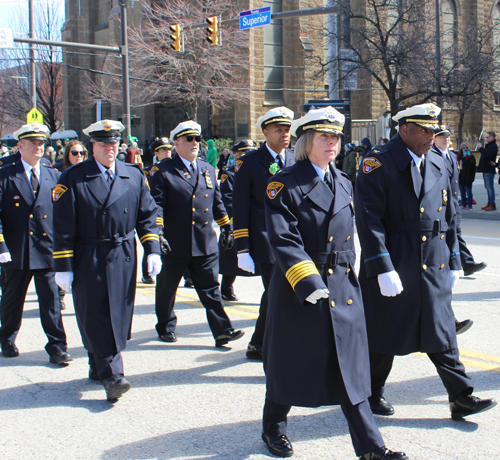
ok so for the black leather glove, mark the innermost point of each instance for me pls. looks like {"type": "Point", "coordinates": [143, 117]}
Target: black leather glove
{"type": "Point", "coordinates": [227, 238]}
{"type": "Point", "coordinates": [165, 247]}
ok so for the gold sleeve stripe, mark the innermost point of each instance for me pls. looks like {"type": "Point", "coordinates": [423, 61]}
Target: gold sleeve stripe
{"type": "Point", "coordinates": [149, 236]}
{"type": "Point", "coordinates": [159, 221]}
{"type": "Point", "coordinates": [300, 271]}
{"type": "Point", "coordinates": [63, 254]}
{"type": "Point", "coordinates": [223, 221]}
{"type": "Point", "coordinates": [241, 233]}
{"type": "Point", "coordinates": [2, 239]}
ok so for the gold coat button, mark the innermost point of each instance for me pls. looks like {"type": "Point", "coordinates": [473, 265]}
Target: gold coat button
{"type": "Point", "coordinates": [17, 205]}
{"type": "Point", "coordinates": [194, 209]}
{"type": "Point", "coordinates": [45, 217]}
{"type": "Point", "coordinates": [422, 209]}
{"type": "Point", "coordinates": [206, 196]}
{"type": "Point", "coordinates": [455, 183]}
{"type": "Point", "coordinates": [424, 267]}
{"type": "Point", "coordinates": [349, 302]}
{"type": "Point", "coordinates": [424, 238]}
{"type": "Point", "coordinates": [330, 239]}
{"type": "Point", "coordinates": [206, 210]}
{"type": "Point", "coordinates": [348, 270]}
{"type": "Point", "coordinates": [31, 233]}
{"type": "Point", "coordinates": [194, 196]}
{"type": "Point", "coordinates": [44, 234]}
{"type": "Point", "coordinates": [332, 304]}
{"type": "Point", "coordinates": [348, 238]}
{"type": "Point", "coordinates": [442, 236]}
{"type": "Point", "coordinates": [31, 216]}
{"type": "Point", "coordinates": [193, 222]}
{"type": "Point", "coordinates": [206, 223]}
{"type": "Point", "coordinates": [442, 266]}
{"type": "Point", "coordinates": [440, 208]}
{"type": "Point", "coordinates": [330, 271]}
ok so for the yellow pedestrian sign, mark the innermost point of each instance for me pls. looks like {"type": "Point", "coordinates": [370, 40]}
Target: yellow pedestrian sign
{"type": "Point", "coordinates": [34, 116]}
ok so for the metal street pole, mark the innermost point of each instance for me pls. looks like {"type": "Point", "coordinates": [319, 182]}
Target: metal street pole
{"type": "Point", "coordinates": [333, 77]}
{"type": "Point", "coordinates": [32, 56]}
{"type": "Point", "coordinates": [438, 59]}
{"type": "Point", "coordinates": [125, 70]}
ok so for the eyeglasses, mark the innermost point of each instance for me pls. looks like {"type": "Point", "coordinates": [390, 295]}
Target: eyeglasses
{"type": "Point", "coordinates": [193, 138]}
{"type": "Point", "coordinates": [77, 152]}
{"type": "Point", "coordinates": [105, 144]}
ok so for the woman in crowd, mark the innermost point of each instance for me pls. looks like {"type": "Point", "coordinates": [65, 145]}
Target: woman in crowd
{"type": "Point", "coordinates": [466, 176]}
{"type": "Point", "coordinates": [74, 152]}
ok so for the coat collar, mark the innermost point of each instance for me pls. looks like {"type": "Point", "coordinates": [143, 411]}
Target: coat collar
{"type": "Point", "coordinates": [183, 172]}
{"type": "Point", "coordinates": [21, 180]}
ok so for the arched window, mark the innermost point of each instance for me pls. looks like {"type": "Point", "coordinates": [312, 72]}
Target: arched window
{"type": "Point", "coordinates": [449, 31]}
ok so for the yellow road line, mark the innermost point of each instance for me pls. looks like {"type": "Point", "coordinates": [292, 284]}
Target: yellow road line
{"type": "Point", "coordinates": [475, 363]}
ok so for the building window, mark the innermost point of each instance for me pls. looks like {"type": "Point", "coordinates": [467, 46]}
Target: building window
{"type": "Point", "coordinates": [273, 56]}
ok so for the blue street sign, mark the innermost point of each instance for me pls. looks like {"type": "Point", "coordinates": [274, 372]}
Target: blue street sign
{"type": "Point", "coordinates": [255, 18]}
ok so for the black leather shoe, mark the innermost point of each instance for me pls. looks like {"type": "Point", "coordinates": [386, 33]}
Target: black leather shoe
{"type": "Point", "coordinates": [254, 352]}
{"type": "Point", "coordinates": [148, 280]}
{"type": "Point", "coordinates": [9, 350]}
{"type": "Point", "coordinates": [60, 357]}
{"type": "Point", "coordinates": [462, 326]}
{"type": "Point", "coordinates": [115, 386]}
{"type": "Point", "coordinates": [280, 446]}
{"type": "Point", "coordinates": [168, 337]}
{"type": "Point", "coordinates": [188, 283]}
{"type": "Point", "coordinates": [380, 406]}
{"type": "Point", "coordinates": [63, 305]}
{"type": "Point", "coordinates": [229, 297]}
{"type": "Point", "coordinates": [93, 375]}
{"type": "Point", "coordinates": [384, 454]}
{"type": "Point", "coordinates": [468, 405]}
{"type": "Point", "coordinates": [228, 336]}
{"type": "Point", "coordinates": [470, 269]}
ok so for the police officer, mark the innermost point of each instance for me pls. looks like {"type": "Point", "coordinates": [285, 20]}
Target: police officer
{"type": "Point", "coordinates": [98, 206]}
{"type": "Point", "coordinates": [441, 146]}
{"type": "Point", "coordinates": [162, 151]}
{"type": "Point", "coordinates": [253, 171]}
{"type": "Point", "coordinates": [188, 198]}
{"type": "Point", "coordinates": [406, 220]}
{"type": "Point", "coordinates": [228, 261]}
{"type": "Point", "coordinates": [315, 346]}
{"type": "Point", "coordinates": [26, 243]}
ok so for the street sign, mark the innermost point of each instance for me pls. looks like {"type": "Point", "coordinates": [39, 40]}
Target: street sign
{"type": "Point", "coordinates": [6, 40]}
{"type": "Point", "coordinates": [34, 116]}
{"type": "Point", "coordinates": [349, 60]}
{"type": "Point", "coordinates": [255, 18]}
{"type": "Point", "coordinates": [350, 81]}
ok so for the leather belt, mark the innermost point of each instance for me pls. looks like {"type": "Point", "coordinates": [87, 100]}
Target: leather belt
{"type": "Point", "coordinates": [332, 259]}
{"type": "Point", "coordinates": [437, 226]}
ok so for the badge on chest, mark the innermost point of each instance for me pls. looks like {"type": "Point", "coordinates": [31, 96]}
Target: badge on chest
{"type": "Point", "coordinates": [208, 179]}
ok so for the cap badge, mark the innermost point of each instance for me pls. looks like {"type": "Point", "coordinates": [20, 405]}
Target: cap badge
{"type": "Point", "coordinates": [283, 113]}
{"type": "Point", "coordinates": [431, 111]}
{"type": "Point", "coordinates": [164, 140]}
{"type": "Point", "coordinates": [35, 128]}
{"type": "Point", "coordinates": [107, 126]}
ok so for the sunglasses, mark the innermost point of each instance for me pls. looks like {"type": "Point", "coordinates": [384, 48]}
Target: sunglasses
{"type": "Point", "coordinates": [193, 138]}
{"type": "Point", "coordinates": [77, 152]}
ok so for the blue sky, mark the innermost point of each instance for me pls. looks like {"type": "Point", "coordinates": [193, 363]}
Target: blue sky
{"type": "Point", "coordinates": [8, 8]}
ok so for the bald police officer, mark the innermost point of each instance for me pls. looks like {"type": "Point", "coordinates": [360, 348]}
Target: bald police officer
{"type": "Point", "coordinates": [186, 191]}
{"type": "Point", "coordinates": [406, 220]}
{"type": "Point", "coordinates": [253, 171]}
{"type": "Point", "coordinates": [99, 205]}
{"type": "Point", "coordinates": [26, 243]}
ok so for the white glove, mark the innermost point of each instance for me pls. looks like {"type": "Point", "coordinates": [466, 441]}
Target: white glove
{"type": "Point", "coordinates": [390, 284]}
{"type": "Point", "coordinates": [454, 275]}
{"type": "Point", "coordinates": [318, 294]}
{"type": "Point", "coordinates": [5, 257]}
{"type": "Point", "coordinates": [154, 264]}
{"type": "Point", "coordinates": [64, 280]}
{"type": "Point", "coordinates": [245, 262]}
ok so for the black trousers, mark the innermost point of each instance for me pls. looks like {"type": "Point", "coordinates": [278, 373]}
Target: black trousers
{"type": "Point", "coordinates": [106, 365]}
{"type": "Point", "coordinates": [260, 327]}
{"type": "Point", "coordinates": [204, 272]}
{"type": "Point", "coordinates": [16, 283]}
{"type": "Point", "coordinates": [365, 434]}
{"type": "Point", "coordinates": [226, 285]}
{"type": "Point", "coordinates": [448, 365]}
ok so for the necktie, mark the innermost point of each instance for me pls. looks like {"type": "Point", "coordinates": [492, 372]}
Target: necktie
{"type": "Point", "coordinates": [328, 179]}
{"type": "Point", "coordinates": [193, 169]}
{"type": "Point", "coordinates": [110, 177]}
{"type": "Point", "coordinates": [34, 181]}
{"type": "Point", "coordinates": [422, 166]}
{"type": "Point", "coordinates": [279, 161]}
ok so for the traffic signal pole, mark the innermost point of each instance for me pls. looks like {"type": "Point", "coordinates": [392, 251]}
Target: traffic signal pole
{"type": "Point", "coordinates": [125, 69]}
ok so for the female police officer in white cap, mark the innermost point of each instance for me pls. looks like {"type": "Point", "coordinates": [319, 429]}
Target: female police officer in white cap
{"type": "Point", "coordinates": [315, 346]}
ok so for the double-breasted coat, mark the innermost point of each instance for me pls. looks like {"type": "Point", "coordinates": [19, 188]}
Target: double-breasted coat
{"type": "Point", "coordinates": [311, 350]}
{"type": "Point", "coordinates": [94, 230]}
{"type": "Point", "coordinates": [411, 230]}
{"type": "Point", "coordinates": [252, 173]}
{"type": "Point", "coordinates": [188, 206]}
{"type": "Point", "coordinates": [25, 220]}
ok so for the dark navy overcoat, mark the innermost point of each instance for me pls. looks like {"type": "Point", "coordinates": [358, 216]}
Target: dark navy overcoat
{"type": "Point", "coordinates": [414, 233]}
{"type": "Point", "coordinates": [95, 238]}
{"type": "Point", "coordinates": [312, 350]}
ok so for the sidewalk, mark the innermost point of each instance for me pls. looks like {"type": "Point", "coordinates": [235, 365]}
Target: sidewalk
{"type": "Point", "coordinates": [479, 194]}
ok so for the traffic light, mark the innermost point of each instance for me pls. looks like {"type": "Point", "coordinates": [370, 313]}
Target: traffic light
{"type": "Point", "coordinates": [176, 37]}
{"type": "Point", "coordinates": [213, 30]}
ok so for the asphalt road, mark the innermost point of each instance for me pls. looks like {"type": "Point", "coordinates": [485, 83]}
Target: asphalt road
{"type": "Point", "coordinates": [190, 400]}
